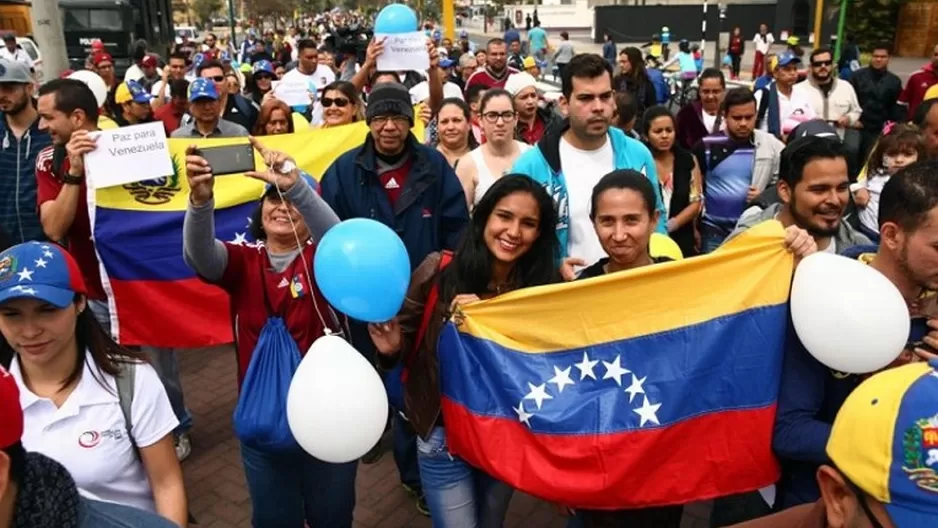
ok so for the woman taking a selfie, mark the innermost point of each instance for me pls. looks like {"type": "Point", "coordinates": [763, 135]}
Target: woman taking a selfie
{"type": "Point", "coordinates": [96, 408]}
{"type": "Point", "coordinates": [287, 486]}
{"type": "Point", "coordinates": [510, 244]}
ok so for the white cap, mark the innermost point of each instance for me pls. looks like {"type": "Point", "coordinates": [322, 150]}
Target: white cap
{"type": "Point", "coordinates": [519, 81]}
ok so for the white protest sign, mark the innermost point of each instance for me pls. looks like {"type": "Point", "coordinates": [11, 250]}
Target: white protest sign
{"type": "Point", "coordinates": [129, 155]}
{"type": "Point", "coordinates": [404, 52]}
{"type": "Point", "coordinates": [292, 90]}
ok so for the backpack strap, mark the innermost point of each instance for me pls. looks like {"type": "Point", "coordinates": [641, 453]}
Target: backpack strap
{"type": "Point", "coordinates": [126, 381]}
{"type": "Point", "coordinates": [432, 298]}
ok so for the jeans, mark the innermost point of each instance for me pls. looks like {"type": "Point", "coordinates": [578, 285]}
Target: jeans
{"type": "Point", "coordinates": [164, 362]}
{"type": "Point", "coordinates": [290, 489]}
{"type": "Point", "coordinates": [459, 495]}
{"type": "Point", "coordinates": [405, 451]}
{"type": "Point", "coordinates": [711, 237]}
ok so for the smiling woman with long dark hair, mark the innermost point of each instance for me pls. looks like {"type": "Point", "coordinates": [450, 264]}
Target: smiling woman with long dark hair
{"type": "Point", "coordinates": [510, 244]}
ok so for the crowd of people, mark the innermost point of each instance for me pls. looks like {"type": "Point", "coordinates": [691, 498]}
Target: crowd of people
{"type": "Point", "coordinates": [507, 189]}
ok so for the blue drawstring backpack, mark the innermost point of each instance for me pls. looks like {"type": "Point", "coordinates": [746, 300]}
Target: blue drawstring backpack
{"type": "Point", "coordinates": [260, 417]}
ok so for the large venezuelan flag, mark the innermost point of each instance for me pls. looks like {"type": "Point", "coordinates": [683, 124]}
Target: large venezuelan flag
{"type": "Point", "coordinates": [636, 389]}
{"type": "Point", "coordinates": [155, 299]}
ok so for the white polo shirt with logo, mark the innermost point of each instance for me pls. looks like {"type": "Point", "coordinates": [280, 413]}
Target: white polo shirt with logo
{"type": "Point", "coordinates": [88, 435]}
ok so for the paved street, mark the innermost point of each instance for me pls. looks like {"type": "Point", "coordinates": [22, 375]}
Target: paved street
{"type": "Point", "coordinates": [215, 480]}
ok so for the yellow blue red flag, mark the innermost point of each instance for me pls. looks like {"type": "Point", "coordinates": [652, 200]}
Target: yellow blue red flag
{"type": "Point", "coordinates": [651, 387]}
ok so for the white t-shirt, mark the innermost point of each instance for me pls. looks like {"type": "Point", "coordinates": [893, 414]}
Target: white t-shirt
{"type": "Point", "coordinates": [19, 54]}
{"type": "Point", "coordinates": [796, 105]}
{"type": "Point", "coordinates": [709, 121]}
{"type": "Point", "coordinates": [88, 436]}
{"type": "Point", "coordinates": [317, 81]}
{"type": "Point", "coordinates": [582, 170]}
{"type": "Point", "coordinates": [869, 215]}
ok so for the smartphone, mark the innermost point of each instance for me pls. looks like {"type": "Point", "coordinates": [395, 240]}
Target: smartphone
{"type": "Point", "coordinates": [229, 159]}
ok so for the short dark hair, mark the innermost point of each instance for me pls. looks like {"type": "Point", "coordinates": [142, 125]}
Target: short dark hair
{"type": "Point", "coordinates": [819, 51]}
{"type": "Point", "coordinates": [909, 195]}
{"type": "Point", "coordinates": [625, 179]}
{"type": "Point", "coordinates": [921, 112]}
{"type": "Point", "coordinates": [494, 42]}
{"type": "Point", "coordinates": [584, 66]}
{"type": "Point", "coordinates": [209, 64]}
{"type": "Point", "coordinates": [737, 97]}
{"type": "Point", "coordinates": [473, 92]}
{"type": "Point", "coordinates": [306, 44]}
{"type": "Point", "coordinates": [712, 73]}
{"type": "Point", "coordinates": [492, 93]}
{"type": "Point", "coordinates": [180, 55]}
{"type": "Point", "coordinates": [626, 107]}
{"type": "Point", "coordinates": [71, 95]}
{"type": "Point", "coordinates": [178, 88]}
{"type": "Point", "coordinates": [882, 46]}
{"type": "Point", "coordinates": [803, 150]}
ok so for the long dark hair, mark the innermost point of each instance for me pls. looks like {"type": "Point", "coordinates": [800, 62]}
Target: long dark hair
{"type": "Point", "coordinates": [90, 337]}
{"type": "Point", "coordinates": [466, 112]}
{"type": "Point", "coordinates": [471, 270]}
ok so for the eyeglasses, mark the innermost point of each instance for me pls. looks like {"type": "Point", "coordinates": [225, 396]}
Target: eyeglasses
{"type": "Point", "coordinates": [818, 64]}
{"type": "Point", "coordinates": [341, 102]}
{"type": "Point", "coordinates": [492, 117]}
{"type": "Point", "coordinates": [383, 120]}
{"type": "Point", "coordinates": [217, 78]}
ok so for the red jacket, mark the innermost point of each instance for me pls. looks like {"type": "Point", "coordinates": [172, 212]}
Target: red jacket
{"type": "Point", "coordinates": [918, 83]}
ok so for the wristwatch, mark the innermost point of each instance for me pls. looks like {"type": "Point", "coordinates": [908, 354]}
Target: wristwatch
{"type": "Point", "coordinates": [68, 179]}
{"type": "Point", "coordinates": [286, 167]}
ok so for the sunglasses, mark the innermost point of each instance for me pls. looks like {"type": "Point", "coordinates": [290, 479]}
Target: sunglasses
{"type": "Point", "coordinates": [338, 101]}
{"type": "Point", "coordinates": [818, 64]}
{"type": "Point", "coordinates": [264, 76]}
{"type": "Point", "coordinates": [217, 78]}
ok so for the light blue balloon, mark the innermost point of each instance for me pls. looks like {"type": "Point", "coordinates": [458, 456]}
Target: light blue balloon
{"type": "Point", "coordinates": [396, 18]}
{"type": "Point", "coordinates": [363, 270]}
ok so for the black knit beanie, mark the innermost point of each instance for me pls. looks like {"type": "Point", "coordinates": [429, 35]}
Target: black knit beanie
{"type": "Point", "coordinates": [389, 99]}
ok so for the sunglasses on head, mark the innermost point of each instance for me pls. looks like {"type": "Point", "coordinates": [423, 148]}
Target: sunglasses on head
{"type": "Point", "coordinates": [341, 102]}
{"type": "Point", "coordinates": [822, 63]}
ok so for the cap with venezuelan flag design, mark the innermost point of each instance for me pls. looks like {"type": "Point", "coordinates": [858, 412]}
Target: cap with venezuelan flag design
{"type": "Point", "coordinates": [885, 440]}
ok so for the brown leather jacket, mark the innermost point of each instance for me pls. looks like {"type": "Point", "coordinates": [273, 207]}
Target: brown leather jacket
{"type": "Point", "coordinates": [422, 390]}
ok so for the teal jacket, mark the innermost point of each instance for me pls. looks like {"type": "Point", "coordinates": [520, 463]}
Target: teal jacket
{"type": "Point", "coordinates": [542, 164]}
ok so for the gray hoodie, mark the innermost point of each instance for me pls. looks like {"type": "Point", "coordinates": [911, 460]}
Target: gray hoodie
{"type": "Point", "coordinates": [846, 236]}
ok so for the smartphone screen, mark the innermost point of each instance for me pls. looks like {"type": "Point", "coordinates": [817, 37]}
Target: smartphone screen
{"type": "Point", "coordinates": [229, 159]}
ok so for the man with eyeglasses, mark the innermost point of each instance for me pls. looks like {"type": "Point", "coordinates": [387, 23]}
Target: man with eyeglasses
{"type": "Point", "coordinates": [833, 100]}
{"type": "Point", "coordinates": [880, 462]}
{"type": "Point", "coordinates": [571, 158]}
{"type": "Point", "coordinates": [410, 187]}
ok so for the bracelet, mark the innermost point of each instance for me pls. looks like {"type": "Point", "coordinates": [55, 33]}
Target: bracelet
{"type": "Point", "coordinates": [68, 179]}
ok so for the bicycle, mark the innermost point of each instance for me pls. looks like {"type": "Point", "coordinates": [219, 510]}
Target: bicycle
{"type": "Point", "coordinates": [682, 90]}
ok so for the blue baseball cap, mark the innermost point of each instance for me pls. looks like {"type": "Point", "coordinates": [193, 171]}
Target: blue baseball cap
{"type": "Point", "coordinates": [202, 88]}
{"type": "Point", "coordinates": [132, 91]}
{"type": "Point", "coordinates": [263, 66]}
{"type": "Point", "coordinates": [447, 63]}
{"type": "Point", "coordinates": [788, 58]}
{"type": "Point", "coordinates": [885, 441]}
{"type": "Point", "coordinates": [34, 270]}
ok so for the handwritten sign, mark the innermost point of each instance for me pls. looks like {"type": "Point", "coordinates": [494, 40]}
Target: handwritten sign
{"type": "Point", "coordinates": [404, 52]}
{"type": "Point", "coordinates": [293, 90]}
{"type": "Point", "coordinates": [129, 155]}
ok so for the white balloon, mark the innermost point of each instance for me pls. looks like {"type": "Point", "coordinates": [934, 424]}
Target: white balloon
{"type": "Point", "coordinates": [95, 82]}
{"type": "Point", "coordinates": [337, 405]}
{"type": "Point", "coordinates": [849, 316]}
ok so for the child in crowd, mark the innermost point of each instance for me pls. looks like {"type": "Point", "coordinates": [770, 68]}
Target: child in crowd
{"type": "Point", "coordinates": [901, 145]}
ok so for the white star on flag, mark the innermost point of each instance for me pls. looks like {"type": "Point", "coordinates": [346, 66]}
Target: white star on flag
{"type": "Point", "coordinates": [561, 378]}
{"type": "Point", "coordinates": [586, 367]}
{"type": "Point", "coordinates": [240, 239]}
{"type": "Point", "coordinates": [615, 371]}
{"type": "Point", "coordinates": [41, 262]}
{"type": "Point", "coordinates": [648, 412]}
{"type": "Point", "coordinates": [538, 394]}
{"type": "Point", "coordinates": [45, 246]}
{"type": "Point", "coordinates": [47, 254]}
{"type": "Point", "coordinates": [523, 415]}
{"type": "Point", "coordinates": [635, 387]}
{"type": "Point", "coordinates": [25, 274]}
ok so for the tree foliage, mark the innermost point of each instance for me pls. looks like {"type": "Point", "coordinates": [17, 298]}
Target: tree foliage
{"type": "Point", "coordinates": [873, 22]}
{"type": "Point", "coordinates": [205, 9]}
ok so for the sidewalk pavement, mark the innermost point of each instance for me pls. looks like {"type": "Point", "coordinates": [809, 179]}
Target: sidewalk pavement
{"type": "Point", "coordinates": [214, 477]}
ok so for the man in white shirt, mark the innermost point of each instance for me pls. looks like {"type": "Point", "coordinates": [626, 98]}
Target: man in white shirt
{"type": "Point", "coordinates": [308, 70]}
{"type": "Point", "coordinates": [781, 108]}
{"type": "Point", "coordinates": [763, 41]}
{"type": "Point", "coordinates": [13, 52]}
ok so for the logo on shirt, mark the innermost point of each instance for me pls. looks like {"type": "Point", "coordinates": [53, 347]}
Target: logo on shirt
{"type": "Point", "coordinates": [392, 184]}
{"type": "Point", "coordinates": [427, 213]}
{"type": "Point", "coordinates": [7, 267]}
{"type": "Point", "coordinates": [91, 439]}
{"type": "Point", "coordinates": [297, 290]}
{"type": "Point", "coordinates": [283, 283]}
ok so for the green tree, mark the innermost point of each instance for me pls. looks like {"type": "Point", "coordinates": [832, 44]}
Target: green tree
{"type": "Point", "coordinates": [872, 22]}
{"type": "Point", "coordinates": [204, 9]}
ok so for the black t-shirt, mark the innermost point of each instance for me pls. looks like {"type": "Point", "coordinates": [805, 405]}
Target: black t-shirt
{"type": "Point", "coordinates": [598, 269]}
